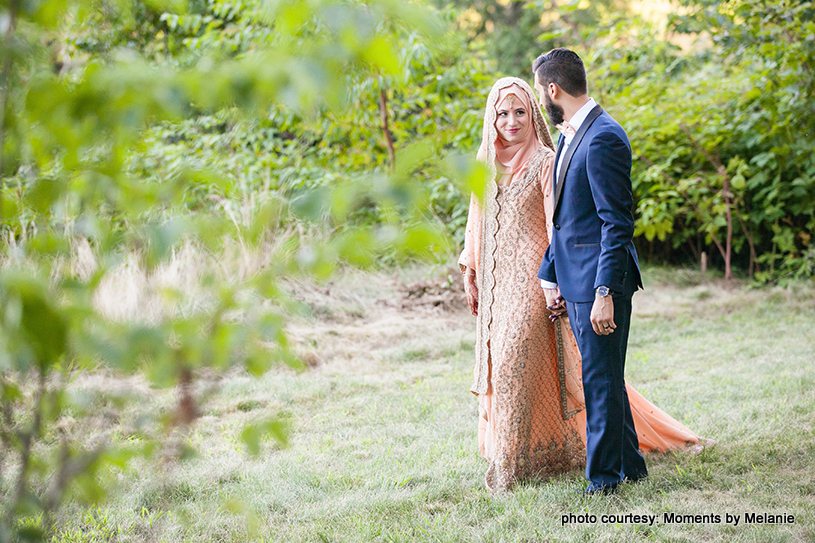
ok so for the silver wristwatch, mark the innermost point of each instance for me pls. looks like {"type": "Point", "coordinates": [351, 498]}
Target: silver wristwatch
{"type": "Point", "coordinates": [603, 291]}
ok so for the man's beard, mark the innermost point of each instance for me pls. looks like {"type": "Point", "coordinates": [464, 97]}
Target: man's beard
{"type": "Point", "coordinates": [553, 111]}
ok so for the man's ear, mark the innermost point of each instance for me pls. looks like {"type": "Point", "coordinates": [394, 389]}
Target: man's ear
{"type": "Point", "coordinates": [554, 91]}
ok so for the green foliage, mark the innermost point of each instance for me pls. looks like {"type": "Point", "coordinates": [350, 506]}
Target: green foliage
{"type": "Point", "coordinates": [729, 124]}
{"type": "Point", "coordinates": [137, 130]}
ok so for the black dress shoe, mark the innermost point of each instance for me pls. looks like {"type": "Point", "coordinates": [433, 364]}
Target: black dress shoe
{"type": "Point", "coordinates": [636, 479]}
{"type": "Point", "coordinates": [605, 490]}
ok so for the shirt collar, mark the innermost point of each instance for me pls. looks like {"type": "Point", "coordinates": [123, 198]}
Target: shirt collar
{"type": "Point", "coordinates": [578, 118]}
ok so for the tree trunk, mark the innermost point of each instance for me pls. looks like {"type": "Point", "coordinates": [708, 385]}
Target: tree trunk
{"type": "Point", "coordinates": [728, 273]}
{"type": "Point", "coordinates": [383, 114]}
{"type": "Point", "coordinates": [513, 13]}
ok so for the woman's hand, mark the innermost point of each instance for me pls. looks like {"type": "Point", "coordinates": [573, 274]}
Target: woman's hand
{"type": "Point", "coordinates": [471, 290]}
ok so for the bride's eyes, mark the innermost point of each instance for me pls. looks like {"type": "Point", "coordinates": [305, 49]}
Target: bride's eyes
{"type": "Point", "coordinates": [518, 113]}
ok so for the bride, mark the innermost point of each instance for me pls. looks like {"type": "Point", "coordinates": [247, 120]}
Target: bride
{"type": "Point", "coordinates": [527, 375]}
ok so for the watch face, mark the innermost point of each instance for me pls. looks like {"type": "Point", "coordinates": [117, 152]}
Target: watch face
{"type": "Point", "coordinates": [602, 291]}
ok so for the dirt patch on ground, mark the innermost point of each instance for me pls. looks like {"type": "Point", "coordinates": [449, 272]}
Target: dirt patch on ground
{"type": "Point", "coordinates": [356, 296]}
{"type": "Point", "coordinates": [440, 293]}
{"type": "Point", "coordinates": [361, 318]}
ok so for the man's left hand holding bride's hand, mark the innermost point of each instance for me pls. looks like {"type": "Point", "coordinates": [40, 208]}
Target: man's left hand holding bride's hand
{"type": "Point", "coordinates": [554, 303]}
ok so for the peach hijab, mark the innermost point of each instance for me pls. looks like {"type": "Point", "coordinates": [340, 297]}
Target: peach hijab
{"type": "Point", "coordinates": [511, 158]}
{"type": "Point", "coordinates": [507, 162]}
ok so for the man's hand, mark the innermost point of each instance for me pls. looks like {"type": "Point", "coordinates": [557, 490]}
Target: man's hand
{"type": "Point", "coordinates": [602, 315]}
{"type": "Point", "coordinates": [554, 303]}
{"type": "Point", "coordinates": [471, 290]}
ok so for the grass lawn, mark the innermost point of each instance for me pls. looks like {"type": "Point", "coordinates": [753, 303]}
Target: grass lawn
{"type": "Point", "coordinates": [383, 442]}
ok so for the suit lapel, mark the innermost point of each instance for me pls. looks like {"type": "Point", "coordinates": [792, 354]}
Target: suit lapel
{"type": "Point", "coordinates": [561, 141]}
{"type": "Point", "coordinates": [567, 158]}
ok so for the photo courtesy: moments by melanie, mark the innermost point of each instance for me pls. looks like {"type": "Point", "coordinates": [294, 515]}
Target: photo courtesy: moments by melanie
{"type": "Point", "coordinates": [668, 517]}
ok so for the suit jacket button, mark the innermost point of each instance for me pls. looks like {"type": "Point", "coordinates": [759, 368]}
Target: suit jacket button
{"type": "Point", "coordinates": [557, 227]}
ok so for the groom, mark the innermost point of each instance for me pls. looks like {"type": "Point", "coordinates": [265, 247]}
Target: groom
{"type": "Point", "coordinates": [590, 268]}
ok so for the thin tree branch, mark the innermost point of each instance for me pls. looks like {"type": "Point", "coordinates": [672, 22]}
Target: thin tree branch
{"type": "Point", "coordinates": [68, 469]}
{"type": "Point", "coordinates": [751, 268]}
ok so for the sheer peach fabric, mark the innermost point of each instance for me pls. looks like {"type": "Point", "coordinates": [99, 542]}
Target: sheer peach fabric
{"type": "Point", "coordinates": [527, 377]}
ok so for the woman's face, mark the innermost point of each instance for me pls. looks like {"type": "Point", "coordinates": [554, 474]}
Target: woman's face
{"type": "Point", "coordinates": [513, 120]}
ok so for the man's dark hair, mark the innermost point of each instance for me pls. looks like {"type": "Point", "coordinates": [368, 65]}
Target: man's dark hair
{"type": "Point", "coordinates": [564, 68]}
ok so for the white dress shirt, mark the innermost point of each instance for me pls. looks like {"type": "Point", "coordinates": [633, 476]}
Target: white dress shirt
{"type": "Point", "coordinates": [575, 122]}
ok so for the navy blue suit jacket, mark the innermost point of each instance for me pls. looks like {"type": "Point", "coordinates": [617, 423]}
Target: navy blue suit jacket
{"type": "Point", "coordinates": [592, 240]}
